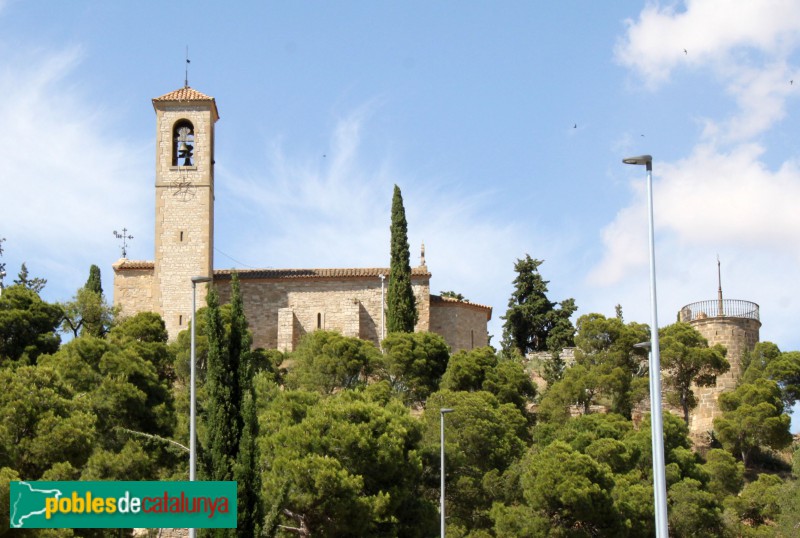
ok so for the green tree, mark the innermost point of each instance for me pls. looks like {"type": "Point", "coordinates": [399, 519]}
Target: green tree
{"type": "Point", "coordinates": [615, 367]}
{"type": "Point", "coordinates": [752, 417]}
{"type": "Point", "coordinates": [413, 363]}
{"type": "Point", "coordinates": [726, 475]}
{"type": "Point", "coordinates": [687, 361]}
{"type": "Point", "coordinates": [453, 295]}
{"type": "Point", "coordinates": [790, 504]}
{"type": "Point", "coordinates": [533, 322]}
{"type": "Point", "coordinates": [230, 410]}
{"type": "Point", "coordinates": [2, 264]}
{"type": "Point", "coordinates": [34, 284]}
{"type": "Point", "coordinates": [119, 381]}
{"type": "Point", "coordinates": [246, 470]}
{"type": "Point", "coordinates": [27, 325]}
{"type": "Point", "coordinates": [326, 361]}
{"type": "Point", "coordinates": [88, 311]}
{"type": "Point", "coordinates": [692, 511]}
{"type": "Point", "coordinates": [579, 386]}
{"type": "Point", "coordinates": [569, 490]}
{"type": "Point", "coordinates": [344, 466]}
{"type": "Point", "coordinates": [222, 414]}
{"type": "Point", "coordinates": [483, 438]}
{"type": "Point", "coordinates": [42, 424]}
{"type": "Point", "coordinates": [94, 283]}
{"type": "Point", "coordinates": [481, 369]}
{"type": "Point", "coordinates": [758, 506]}
{"type": "Point", "coordinates": [401, 309]}
{"type": "Point", "coordinates": [767, 361]}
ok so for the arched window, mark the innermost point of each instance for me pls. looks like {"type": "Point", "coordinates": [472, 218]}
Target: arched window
{"type": "Point", "coordinates": [183, 143]}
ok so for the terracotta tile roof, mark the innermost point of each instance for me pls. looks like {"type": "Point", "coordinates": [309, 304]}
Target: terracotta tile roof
{"type": "Point", "coordinates": [187, 94]}
{"type": "Point", "coordinates": [184, 94]}
{"type": "Point", "coordinates": [124, 264]}
{"type": "Point", "coordinates": [438, 300]}
{"type": "Point", "coordinates": [353, 272]}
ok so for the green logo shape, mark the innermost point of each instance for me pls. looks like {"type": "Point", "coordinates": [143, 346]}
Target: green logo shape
{"type": "Point", "coordinates": [101, 505]}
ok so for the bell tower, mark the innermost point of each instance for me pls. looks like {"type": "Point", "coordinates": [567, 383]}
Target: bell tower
{"type": "Point", "coordinates": [184, 234]}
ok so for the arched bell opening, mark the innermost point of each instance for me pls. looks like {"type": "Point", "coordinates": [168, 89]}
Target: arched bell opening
{"type": "Point", "coordinates": [183, 143]}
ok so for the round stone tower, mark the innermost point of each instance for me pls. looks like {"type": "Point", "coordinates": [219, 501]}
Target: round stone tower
{"type": "Point", "coordinates": [734, 324]}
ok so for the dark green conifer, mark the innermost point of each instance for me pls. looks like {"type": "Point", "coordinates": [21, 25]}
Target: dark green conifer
{"type": "Point", "coordinates": [232, 423]}
{"type": "Point", "coordinates": [94, 282]}
{"type": "Point", "coordinates": [222, 408]}
{"type": "Point", "coordinates": [401, 315]}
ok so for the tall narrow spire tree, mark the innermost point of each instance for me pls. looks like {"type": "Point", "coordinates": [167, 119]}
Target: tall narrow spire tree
{"type": "Point", "coordinates": [401, 315]}
{"type": "Point", "coordinates": [231, 420]}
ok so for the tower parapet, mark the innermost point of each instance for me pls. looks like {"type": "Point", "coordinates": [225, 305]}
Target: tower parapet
{"type": "Point", "coordinates": [733, 323]}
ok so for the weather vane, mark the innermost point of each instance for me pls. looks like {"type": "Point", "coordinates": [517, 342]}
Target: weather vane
{"type": "Point", "coordinates": [186, 76]}
{"type": "Point", "coordinates": [124, 236]}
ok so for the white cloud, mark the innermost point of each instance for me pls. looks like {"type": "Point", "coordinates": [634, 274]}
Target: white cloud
{"type": "Point", "coordinates": [722, 197]}
{"type": "Point", "coordinates": [709, 31]}
{"type": "Point", "coordinates": [69, 175]}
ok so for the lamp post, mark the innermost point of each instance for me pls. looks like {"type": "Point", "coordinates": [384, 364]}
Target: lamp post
{"type": "Point", "coordinates": [656, 419]}
{"type": "Point", "coordinates": [442, 412]}
{"type": "Point", "coordinates": [383, 310]}
{"type": "Point", "coordinates": [192, 402]}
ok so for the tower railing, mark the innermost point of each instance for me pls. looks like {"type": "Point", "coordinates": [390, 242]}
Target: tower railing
{"type": "Point", "coordinates": [726, 308]}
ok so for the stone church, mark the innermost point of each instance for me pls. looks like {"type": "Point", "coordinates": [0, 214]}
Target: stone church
{"type": "Point", "coordinates": [281, 305]}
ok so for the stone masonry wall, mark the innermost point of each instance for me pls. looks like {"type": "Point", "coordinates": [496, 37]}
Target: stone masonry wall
{"type": "Point", "coordinates": [133, 289]}
{"type": "Point", "coordinates": [463, 326]}
{"type": "Point", "coordinates": [738, 335]}
{"type": "Point", "coordinates": [351, 306]}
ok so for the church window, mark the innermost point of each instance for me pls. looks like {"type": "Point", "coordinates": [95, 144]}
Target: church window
{"type": "Point", "coordinates": [319, 320]}
{"type": "Point", "coordinates": [180, 320]}
{"type": "Point", "coordinates": [181, 236]}
{"type": "Point", "coordinates": [183, 143]}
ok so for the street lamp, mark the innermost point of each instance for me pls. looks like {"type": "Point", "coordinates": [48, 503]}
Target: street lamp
{"type": "Point", "coordinates": [442, 412]}
{"type": "Point", "coordinates": [192, 398]}
{"type": "Point", "coordinates": [656, 420]}
{"type": "Point", "coordinates": [383, 310]}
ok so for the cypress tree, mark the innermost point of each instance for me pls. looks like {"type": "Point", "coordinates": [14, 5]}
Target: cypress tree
{"type": "Point", "coordinates": [401, 315]}
{"type": "Point", "coordinates": [95, 316]}
{"type": "Point", "coordinates": [94, 282]}
{"type": "Point", "coordinates": [232, 424]}
{"type": "Point", "coordinates": [246, 472]}
{"type": "Point", "coordinates": [222, 409]}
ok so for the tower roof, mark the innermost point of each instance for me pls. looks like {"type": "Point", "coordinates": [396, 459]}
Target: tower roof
{"type": "Point", "coordinates": [186, 94]}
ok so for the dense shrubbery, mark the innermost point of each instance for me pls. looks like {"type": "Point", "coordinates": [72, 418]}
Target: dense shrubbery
{"type": "Point", "coordinates": [347, 441]}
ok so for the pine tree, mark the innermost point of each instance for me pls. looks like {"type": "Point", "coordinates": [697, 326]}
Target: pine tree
{"type": "Point", "coordinates": [35, 284]}
{"type": "Point", "coordinates": [533, 322]}
{"type": "Point", "coordinates": [401, 315]}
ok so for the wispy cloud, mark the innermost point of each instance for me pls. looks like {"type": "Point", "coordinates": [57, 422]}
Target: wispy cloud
{"type": "Point", "coordinates": [722, 196]}
{"type": "Point", "coordinates": [69, 175]}
{"type": "Point", "coordinates": [335, 210]}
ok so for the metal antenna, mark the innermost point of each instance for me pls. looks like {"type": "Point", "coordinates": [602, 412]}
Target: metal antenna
{"type": "Point", "coordinates": [124, 236]}
{"type": "Point", "coordinates": [186, 77]}
{"type": "Point", "coordinates": [720, 310]}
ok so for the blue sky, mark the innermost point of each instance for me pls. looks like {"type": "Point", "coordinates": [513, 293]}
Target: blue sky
{"type": "Point", "coordinates": [503, 123]}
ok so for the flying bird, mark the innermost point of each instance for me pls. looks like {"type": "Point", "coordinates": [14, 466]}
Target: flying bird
{"type": "Point", "coordinates": [685, 51]}
{"type": "Point", "coordinates": [575, 126]}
